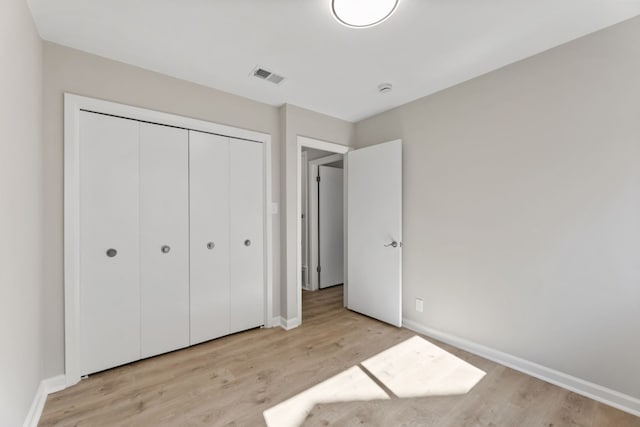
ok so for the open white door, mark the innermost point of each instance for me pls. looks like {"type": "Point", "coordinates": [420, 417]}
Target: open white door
{"type": "Point", "coordinates": [331, 226]}
{"type": "Point", "coordinates": [374, 232]}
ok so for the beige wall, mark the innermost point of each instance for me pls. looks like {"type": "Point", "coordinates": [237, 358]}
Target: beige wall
{"type": "Point", "coordinates": [69, 70]}
{"type": "Point", "coordinates": [296, 121]}
{"type": "Point", "coordinates": [522, 207]}
{"type": "Point", "coordinates": [21, 213]}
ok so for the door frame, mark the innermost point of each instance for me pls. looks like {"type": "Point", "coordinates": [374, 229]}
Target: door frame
{"type": "Point", "coordinates": [73, 104]}
{"type": "Point", "coordinates": [304, 218]}
{"type": "Point", "coordinates": [303, 141]}
{"type": "Point", "coordinates": [313, 248]}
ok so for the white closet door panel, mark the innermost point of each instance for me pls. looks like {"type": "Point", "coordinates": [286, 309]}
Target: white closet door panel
{"type": "Point", "coordinates": [109, 285]}
{"type": "Point", "coordinates": [209, 212]}
{"type": "Point", "coordinates": [164, 223]}
{"type": "Point", "coordinates": [246, 235]}
{"type": "Point", "coordinates": [331, 226]}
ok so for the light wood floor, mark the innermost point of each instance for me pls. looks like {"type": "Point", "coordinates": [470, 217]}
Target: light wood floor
{"type": "Point", "coordinates": [230, 381]}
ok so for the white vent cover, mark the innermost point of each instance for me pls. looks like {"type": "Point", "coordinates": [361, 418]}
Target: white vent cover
{"type": "Point", "coordinates": [267, 75]}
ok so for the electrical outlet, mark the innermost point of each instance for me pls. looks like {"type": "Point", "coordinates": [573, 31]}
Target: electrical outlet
{"type": "Point", "coordinates": [419, 305]}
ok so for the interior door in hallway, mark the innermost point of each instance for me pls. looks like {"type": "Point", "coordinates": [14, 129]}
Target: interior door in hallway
{"type": "Point", "coordinates": [331, 226]}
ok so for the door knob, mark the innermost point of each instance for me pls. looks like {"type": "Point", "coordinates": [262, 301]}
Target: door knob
{"type": "Point", "coordinates": [165, 249]}
{"type": "Point", "coordinates": [393, 244]}
{"type": "Point", "coordinates": [247, 242]}
{"type": "Point", "coordinates": [111, 253]}
{"type": "Point", "coordinates": [211, 245]}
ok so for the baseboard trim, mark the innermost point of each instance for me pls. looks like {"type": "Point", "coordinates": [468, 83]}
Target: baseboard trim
{"type": "Point", "coordinates": [585, 388]}
{"type": "Point", "coordinates": [45, 388]}
{"type": "Point", "coordinates": [275, 322]}
{"type": "Point", "coordinates": [288, 324]}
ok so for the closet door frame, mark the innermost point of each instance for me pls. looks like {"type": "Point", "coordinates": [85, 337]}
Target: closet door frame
{"type": "Point", "coordinates": [73, 105]}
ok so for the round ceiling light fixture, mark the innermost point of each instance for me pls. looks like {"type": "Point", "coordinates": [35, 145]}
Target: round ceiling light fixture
{"type": "Point", "coordinates": [363, 13]}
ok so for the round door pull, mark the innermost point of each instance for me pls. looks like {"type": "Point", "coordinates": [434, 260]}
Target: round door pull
{"type": "Point", "coordinates": [247, 242]}
{"type": "Point", "coordinates": [111, 253]}
{"type": "Point", "coordinates": [211, 245]}
{"type": "Point", "coordinates": [165, 249]}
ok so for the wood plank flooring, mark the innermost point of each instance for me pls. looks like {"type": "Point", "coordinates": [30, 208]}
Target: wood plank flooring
{"type": "Point", "coordinates": [232, 380]}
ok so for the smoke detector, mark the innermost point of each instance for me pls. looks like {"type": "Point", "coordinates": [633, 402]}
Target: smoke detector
{"type": "Point", "coordinates": [264, 74]}
{"type": "Point", "coordinates": [385, 87]}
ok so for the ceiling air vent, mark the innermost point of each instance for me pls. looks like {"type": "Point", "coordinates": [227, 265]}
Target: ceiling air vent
{"type": "Point", "coordinates": [267, 75]}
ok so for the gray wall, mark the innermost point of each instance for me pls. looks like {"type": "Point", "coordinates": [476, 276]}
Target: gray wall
{"type": "Point", "coordinates": [21, 213]}
{"type": "Point", "coordinates": [522, 207]}
{"type": "Point", "coordinates": [69, 70]}
{"type": "Point", "coordinates": [296, 121]}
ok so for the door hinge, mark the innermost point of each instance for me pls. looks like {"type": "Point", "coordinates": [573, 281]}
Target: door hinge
{"type": "Point", "coordinates": [318, 269]}
{"type": "Point", "coordinates": [317, 178]}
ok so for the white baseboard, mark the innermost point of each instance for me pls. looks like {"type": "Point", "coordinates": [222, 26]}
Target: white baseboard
{"type": "Point", "coordinates": [593, 391]}
{"type": "Point", "coordinates": [288, 324]}
{"type": "Point", "coordinates": [46, 387]}
{"type": "Point", "coordinates": [275, 322]}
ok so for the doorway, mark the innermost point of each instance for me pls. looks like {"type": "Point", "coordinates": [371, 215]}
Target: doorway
{"type": "Point", "coordinates": [322, 220]}
{"type": "Point", "coordinates": [322, 205]}
{"type": "Point", "coordinates": [372, 223]}
{"type": "Point", "coordinates": [315, 150]}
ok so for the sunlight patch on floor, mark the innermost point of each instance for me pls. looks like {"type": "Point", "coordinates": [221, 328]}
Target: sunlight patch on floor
{"type": "Point", "coordinates": [413, 368]}
{"type": "Point", "coordinates": [350, 385]}
{"type": "Point", "coordinates": [417, 368]}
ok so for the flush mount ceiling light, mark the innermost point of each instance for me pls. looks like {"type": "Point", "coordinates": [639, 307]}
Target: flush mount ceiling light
{"type": "Point", "coordinates": [362, 13]}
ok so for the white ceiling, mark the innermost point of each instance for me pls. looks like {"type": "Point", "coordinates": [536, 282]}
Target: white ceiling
{"type": "Point", "coordinates": [426, 46]}
{"type": "Point", "coordinates": [313, 154]}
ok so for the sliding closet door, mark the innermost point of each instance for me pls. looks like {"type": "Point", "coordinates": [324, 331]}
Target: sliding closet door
{"type": "Point", "coordinates": [209, 213]}
{"type": "Point", "coordinates": [246, 235]}
{"type": "Point", "coordinates": [164, 237]}
{"type": "Point", "coordinates": [109, 287]}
